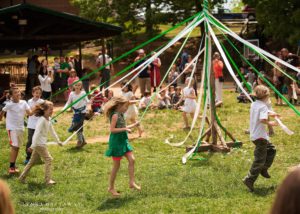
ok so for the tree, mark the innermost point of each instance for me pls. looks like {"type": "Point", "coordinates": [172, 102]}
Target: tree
{"type": "Point", "coordinates": [280, 19]}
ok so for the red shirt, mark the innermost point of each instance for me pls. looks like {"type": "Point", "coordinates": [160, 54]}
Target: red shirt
{"type": "Point", "coordinates": [218, 68]}
{"type": "Point", "coordinates": [99, 99]}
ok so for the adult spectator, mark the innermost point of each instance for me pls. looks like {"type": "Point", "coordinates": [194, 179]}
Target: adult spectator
{"type": "Point", "coordinates": [63, 75]}
{"type": "Point", "coordinates": [218, 73]}
{"type": "Point", "coordinates": [144, 75]}
{"type": "Point", "coordinates": [32, 68]}
{"type": "Point", "coordinates": [6, 206]}
{"type": "Point", "coordinates": [78, 66]}
{"type": "Point", "coordinates": [102, 60]}
{"type": "Point", "coordinates": [183, 62]}
{"type": "Point", "coordinates": [46, 77]}
{"type": "Point", "coordinates": [155, 72]}
{"type": "Point", "coordinates": [288, 195]}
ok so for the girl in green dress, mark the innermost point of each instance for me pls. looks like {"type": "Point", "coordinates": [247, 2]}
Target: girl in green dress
{"type": "Point", "coordinates": [118, 141]}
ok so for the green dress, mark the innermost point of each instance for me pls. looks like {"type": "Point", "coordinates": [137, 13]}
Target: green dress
{"type": "Point", "coordinates": [118, 144]}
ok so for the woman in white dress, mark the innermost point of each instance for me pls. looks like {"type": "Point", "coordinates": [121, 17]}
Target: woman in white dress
{"type": "Point", "coordinates": [132, 112]}
{"type": "Point", "coordinates": [190, 104]}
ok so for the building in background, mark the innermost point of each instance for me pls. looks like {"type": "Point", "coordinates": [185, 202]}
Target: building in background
{"type": "Point", "coordinates": [58, 5]}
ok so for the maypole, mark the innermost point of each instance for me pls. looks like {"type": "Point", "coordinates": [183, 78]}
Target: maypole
{"type": "Point", "coordinates": [213, 138]}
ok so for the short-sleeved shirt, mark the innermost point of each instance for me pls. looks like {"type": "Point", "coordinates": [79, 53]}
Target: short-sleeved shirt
{"type": "Point", "coordinates": [15, 114]}
{"type": "Point", "coordinates": [32, 120]}
{"type": "Point", "coordinates": [144, 73]}
{"type": "Point", "coordinates": [258, 112]}
{"type": "Point", "coordinates": [63, 66]}
{"type": "Point", "coordinates": [108, 59]}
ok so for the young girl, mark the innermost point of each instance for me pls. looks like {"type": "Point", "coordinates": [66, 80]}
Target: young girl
{"type": "Point", "coordinates": [189, 98]}
{"type": "Point", "coordinates": [164, 100]}
{"type": "Point", "coordinates": [265, 151]}
{"type": "Point", "coordinates": [45, 78]}
{"type": "Point", "coordinates": [71, 79]}
{"type": "Point", "coordinates": [118, 141]}
{"type": "Point", "coordinates": [145, 101]}
{"type": "Point", "coordinates": [79, 110]}
{"type": "Point", "coordinates": [39, 141]}
{"type": "Point", "coordinates": [132, 112]}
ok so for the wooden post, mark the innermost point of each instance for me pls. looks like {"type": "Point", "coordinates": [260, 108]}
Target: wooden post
{"type": "Point", "coordinates": [80, 56]}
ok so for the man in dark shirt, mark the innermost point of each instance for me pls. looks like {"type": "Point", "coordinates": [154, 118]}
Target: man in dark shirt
{"type": "Point", "coordinates": [144, 75]}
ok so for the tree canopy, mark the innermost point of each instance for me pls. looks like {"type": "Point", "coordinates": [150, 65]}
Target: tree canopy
{"type": "Point", "coordinates": [280, 19]}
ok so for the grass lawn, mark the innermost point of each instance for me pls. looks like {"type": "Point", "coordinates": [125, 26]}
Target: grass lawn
{"type": "Point", "coordinates": [208, 186]}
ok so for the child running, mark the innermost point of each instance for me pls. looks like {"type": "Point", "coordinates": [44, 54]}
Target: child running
{"type": "Point", "coordinates": [79, 109]}
{"type": "Point", "coordinates": [15, 109]}
{"type": "Point", "coordinates": [39, 141]}
{"type": "Point", "coordinates": [118, 141]}
{"type": "Point", "coordinates": [190, 104]}
{"type": "Point", "coordinates": [32, 120]}
{"type": "Point", "coordinates": [132, 112]}
{"type": "Point", "coordinates": [265, 151]}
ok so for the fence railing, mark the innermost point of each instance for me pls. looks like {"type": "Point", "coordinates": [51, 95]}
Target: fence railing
{"type": "Point", "coordinates": [17, 71]}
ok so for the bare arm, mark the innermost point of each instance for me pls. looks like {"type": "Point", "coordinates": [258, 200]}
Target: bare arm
{"type": "Point", "coordinates": [113, 124]}
{"type": "Point", "coordinates": [269, 123]}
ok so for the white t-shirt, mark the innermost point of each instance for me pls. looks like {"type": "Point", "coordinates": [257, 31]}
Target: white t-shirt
{"type": "Point", "coordinates": [15, 114]}
{"type": "Point", "coordinates": [45, 83]}
{"type": "Point", "coordinates": [40, 135]}
{"type": "Point", "coordinates": [32, 120]}
{"type": "Point", "coordinates": [132, 109]}
{"type": "Point", "coordinates": [258, 112]}
{"type": "Point", "coordinates": [108, 59]}
{"type": "Point", "coordinates": [73, 97]}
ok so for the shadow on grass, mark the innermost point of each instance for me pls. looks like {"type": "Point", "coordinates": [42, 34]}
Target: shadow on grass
{"type": "Point", "coordinates": [264, 191]}
{"type": "Point", "coordinates": [114, 203]}
{"type": "Point", "coordinates": [76, 150]}
{"type": "Point", "coordinates": [35, 186]}
{"type": "Point", "coordinates": [8, 176]}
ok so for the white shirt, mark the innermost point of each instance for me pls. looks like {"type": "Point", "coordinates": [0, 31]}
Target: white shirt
{"type": "Point", "coordinates": [32, 120]}
{"type": "Point", "coordinates": [40, 135]}
{"type": "Point", "coordinates": [15, 114]}
{"type": "Point", "coordinates": [45, 83]}
{"type": "Point", "coordinates": [258, 112]}
{"type": "Point", "coordinates": [74, 97]}
{"type": "Point", "coordinates": [108, 59]}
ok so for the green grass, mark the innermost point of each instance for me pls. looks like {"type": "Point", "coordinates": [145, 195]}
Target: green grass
{"type": "Point", "coordinates": [210, 186]}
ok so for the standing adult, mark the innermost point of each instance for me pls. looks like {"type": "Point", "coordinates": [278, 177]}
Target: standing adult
{"type": "Point", "coordinates": [32, 68]}
{"type": "Point", "coordinates": [155, 72]}
{"type": "Point", "coordinates": [103, 59]}
{"type": "Point", "coordinates": [218, 73]}
{"type": "Point", "coordinates": [46, 78]}
{"type": "Point", "coordinates": [63, 75]}
{"type": "Point", "coordinates": [144, 75]}
{"type": "Point", "coordinates": [78, 66]}
{"type": "Point", "coordinates": [183, 61]}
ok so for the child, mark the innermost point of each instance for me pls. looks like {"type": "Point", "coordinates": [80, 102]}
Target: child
{"type": "Point", "coordinates": [173, 75]}
{"type": "Point", "coordinates": [163, 100]}
{"type": "Point", "coordinates": [71, 79]}
{"type": "Point", "coordinates": [4, 99]}
{"type": "Point", "coordinates": [176, 97]}
{"type": "Point", "coordinates": [39, 141]}
{"type": "Point", "coordinates": [15, 113]}
{"type": "Point", "coordinates": [145, 101]}
{"type": "Point", "coordinates": [98, 100]}
{"type": "Point", "coordinates": [132, 112]}
{"type": "Point", "coordinates": [110, 94]}
{"type": "Point", "coordinates": [171, 91]}
{"type": "Point", "coordinates": [265, 151]}
{"type": "Point", "coordinates": [118, 141]}
{"type": "Point", "coordinates": [6, 205]}
{"type": "Point", "coordinates": [45, 77]}
{"type": "Point", "coordinates": [79, 110]}
{"type": "Point", "coordinates": [32, 120]}
{"type": "Point", "coordinates": [189, 98]}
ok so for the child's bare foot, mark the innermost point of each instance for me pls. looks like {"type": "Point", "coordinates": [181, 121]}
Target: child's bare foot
{"type": "Point", "coordinates": [113, 192]}
{"type": "Point", "coordinates": [135, 186]}
{"type": "Point", "coordinates": [50, 182]}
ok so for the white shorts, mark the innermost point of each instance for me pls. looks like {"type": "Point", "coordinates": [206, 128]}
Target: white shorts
{"type": "Point", "coordinates": [16, 138]}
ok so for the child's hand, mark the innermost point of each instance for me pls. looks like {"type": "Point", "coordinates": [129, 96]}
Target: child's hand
{"type": "Point", "coordinates": [128, 130]}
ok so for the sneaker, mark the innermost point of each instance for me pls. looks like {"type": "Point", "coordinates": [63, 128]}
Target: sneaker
{"type": "Point", "coordinates": [265, 174]}
{"type": "Point", "coordinates": [13, 170]}
{"type": "Point", "coordinates": [83, 144]}
{"type": "Point", "coordinates": [249, 184]}
{"type": "Point", "coordinates": [26, 162]}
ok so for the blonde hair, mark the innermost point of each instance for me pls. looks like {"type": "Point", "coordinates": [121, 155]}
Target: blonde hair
{"type": "Point", "coordinates": [112, 105]}
{"type": "Point", "coordinates": [261, 92]}
{"type": "Point", "coordinates": [39, 110]}
{"type": "Point", "coordinates": [6, 206]}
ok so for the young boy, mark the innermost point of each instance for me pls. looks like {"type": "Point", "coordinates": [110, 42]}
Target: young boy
{"type": "Point", "coordinates": [15, 113]}
{"type": "Point", "coordinates": [265, 151]}
{"type": "Point", "coordinates": [98, 100]}
{"type": "Point", "coordinates": [32, 120]}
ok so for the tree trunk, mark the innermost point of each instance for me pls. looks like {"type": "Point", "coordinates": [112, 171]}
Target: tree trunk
{"type": "Point", "coordinates": [149, 21]}
{"type": "Point", "coordinates": [200, 8]}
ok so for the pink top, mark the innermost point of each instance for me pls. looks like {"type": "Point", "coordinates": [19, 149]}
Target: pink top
{"type": "Point", "coordinates": [71, 80]}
